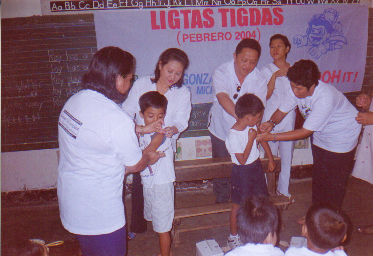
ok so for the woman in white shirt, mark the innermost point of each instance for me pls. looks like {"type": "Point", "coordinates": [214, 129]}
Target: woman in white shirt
{"type": "Point", "coordinates": [363, 168]}
{"type": "Point", "coordinates": [167, 80]}
{"type": "Point", "coordinates": [330, 119]}
{"type": "Point", "coordinates": [278, 84]}
{"type": "Point", "coordinates": [98, 146]}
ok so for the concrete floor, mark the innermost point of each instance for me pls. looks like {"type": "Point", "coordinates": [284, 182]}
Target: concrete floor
{"type": "Point", "coordinates": [42, 221]}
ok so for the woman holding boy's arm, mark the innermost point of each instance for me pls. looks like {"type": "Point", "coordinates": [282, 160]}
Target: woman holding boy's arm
{"type": "Point", "coordinates": [330, 118]}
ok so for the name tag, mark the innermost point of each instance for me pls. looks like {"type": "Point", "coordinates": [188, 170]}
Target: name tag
{"type": "Point", "coordinates": [70, 124]}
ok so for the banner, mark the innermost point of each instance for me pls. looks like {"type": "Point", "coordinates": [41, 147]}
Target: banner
{"type": "Point", "coordinates": [333, 36]}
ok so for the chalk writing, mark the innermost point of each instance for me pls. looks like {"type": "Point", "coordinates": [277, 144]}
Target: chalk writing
{"type": "Point", "coordinates": [38, 79]}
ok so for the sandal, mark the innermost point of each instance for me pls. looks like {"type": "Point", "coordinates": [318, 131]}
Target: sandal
{"type": "Point", "coordinates": [366, 230]}
{"type": "Point", "coordinates": [131, 236]}
{"type": "Point", "coordinates": [289, 196]}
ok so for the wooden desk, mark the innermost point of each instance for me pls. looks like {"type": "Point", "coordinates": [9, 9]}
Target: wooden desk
{"type": "Point", "coordinates": [211, 168]}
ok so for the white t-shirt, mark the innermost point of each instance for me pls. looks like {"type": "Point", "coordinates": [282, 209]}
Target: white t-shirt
{"type": "Point", "coordinates": [225, 80]}
{"type": "Point", "coordinates": [236, 142]}
{"type": "Point", "coordinates": [303, 251]}
{"type": "Point", "coordinates": [163, 170]}
{"type": "Point", "coordinates": [97, 139]}
{"type": "Point", "coordinates": [178, 107]}
{"type": "Point", "coordinates": [330, 115]}
{"type": "Point", "coordinates": [256, 250]}
{"type": "Point", "coordinates": [282, 84]}
{"type": "Point", "coordinates": [363, 168]}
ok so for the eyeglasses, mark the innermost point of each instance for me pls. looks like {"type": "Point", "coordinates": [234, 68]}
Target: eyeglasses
{"type": "Point", "coordinates": [134, 78]}
{"type": "Point", "coordinates": [238, 90]}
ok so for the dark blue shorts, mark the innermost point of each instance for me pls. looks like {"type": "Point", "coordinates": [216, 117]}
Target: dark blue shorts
{"type": "Point", "coordinates": [112, 244]}
{"type": "Point", "coordinates": [246, 181]}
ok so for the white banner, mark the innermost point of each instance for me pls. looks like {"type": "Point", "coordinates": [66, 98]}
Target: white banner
{"type": "Point", "coordinates": [334, 36]}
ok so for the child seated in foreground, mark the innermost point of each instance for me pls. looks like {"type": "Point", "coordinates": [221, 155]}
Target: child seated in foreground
{"type": "Point", "coordinates": [257, 223]}
{"type": "Point", "coordinates": [247, 178]}
{"type": "Point", "coordinates": [158, 179]}
{"type": "Point", "coordinates": [325, 230]}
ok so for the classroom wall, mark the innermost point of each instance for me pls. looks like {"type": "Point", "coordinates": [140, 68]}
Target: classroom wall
{"type": "Point", "coordinates": [37, 169]}
{"type": "Point", "coordinates": [20, 8]}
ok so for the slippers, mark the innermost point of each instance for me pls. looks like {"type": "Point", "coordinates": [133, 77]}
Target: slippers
{"type": "Point", "coordinates": [366, 230]}
{"type": "Point", "coordinates": [288, 196]}
{"type": "Point", "coordinates": [302, 220]}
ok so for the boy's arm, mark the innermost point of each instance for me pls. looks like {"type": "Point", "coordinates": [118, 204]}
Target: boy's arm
{"type": "Point", "coordinates": [155, 143]}
{"type": "Point", "coordinates": [268, 151]}
{"type": "Point", "coordinates": [242, 157]}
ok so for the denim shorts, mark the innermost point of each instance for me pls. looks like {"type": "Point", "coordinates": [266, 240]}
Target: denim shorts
{"type": "Point", "coordinates": [246, 181]}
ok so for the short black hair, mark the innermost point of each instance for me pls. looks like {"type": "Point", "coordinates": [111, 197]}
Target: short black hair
{"type": "Point", "coordinates": [284, 39]}
{"type": "Point", "coordinates": [305, 73]}
{"type": "Point", "coordinates": [256, 219]}
{"type": "Point", "coordinates": [153, 99]}
{"type": "Point", "coordinates": [167, 56]}
{"type": "Point", "coordinates": [326, 226]}
{"type": "Point", "coordinates": [249, 43]}
{"type": "Point", "coordinates": [105, 66]}
{"type": "Point", "coordinates": [248, 104]}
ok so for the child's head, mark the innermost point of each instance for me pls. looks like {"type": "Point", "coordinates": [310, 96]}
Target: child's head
{"type": "Point", "coordinates": [153, 106]}
{"type": "Point", "coordinates": [249, 105]}
{"type": "Point", "coordinates": [325, 226]}
{"type": "Point", "coordinates": [257, 221]}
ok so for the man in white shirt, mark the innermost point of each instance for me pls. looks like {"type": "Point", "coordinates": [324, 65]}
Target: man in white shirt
{"type": "Point", "coordinates": [330, 118]}
{"type": "Point", "coordinates": [230, 81]}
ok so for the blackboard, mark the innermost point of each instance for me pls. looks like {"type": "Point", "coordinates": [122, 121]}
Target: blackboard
{"type": "Point", "coordinates": [43, 60]}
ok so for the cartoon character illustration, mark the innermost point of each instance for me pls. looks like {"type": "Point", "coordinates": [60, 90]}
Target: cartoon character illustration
{"type": "Point", "coordinates": [324, 34]}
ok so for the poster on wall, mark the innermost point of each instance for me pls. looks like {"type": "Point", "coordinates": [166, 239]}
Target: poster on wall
{"type": "Point", "coordinates": [333, 36]}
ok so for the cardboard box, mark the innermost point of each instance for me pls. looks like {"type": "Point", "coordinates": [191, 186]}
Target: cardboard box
{"type": "Point", "coordinates": [208, 248]}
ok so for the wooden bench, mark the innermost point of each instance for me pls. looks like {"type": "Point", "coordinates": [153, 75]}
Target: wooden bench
{"type": "Point", "coordinates": [211, 168]}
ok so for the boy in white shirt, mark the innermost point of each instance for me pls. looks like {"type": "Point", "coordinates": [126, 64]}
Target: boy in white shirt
{"type": "Point", "coordinates": [257, 223]}
{"type": "Point", "coordinates": [247, 178]}
{"type": "Point", "coordinates": [158, 178]}
{"type": "Point", "coordinates": [325, 230]}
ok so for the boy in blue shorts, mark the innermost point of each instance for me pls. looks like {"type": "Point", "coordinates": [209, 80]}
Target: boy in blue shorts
{"type": "Point", "coordinates": [247, 178]}
{"type": "Point", "coordinates": [158, 178]}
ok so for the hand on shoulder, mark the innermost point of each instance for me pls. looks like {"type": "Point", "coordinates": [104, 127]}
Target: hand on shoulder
{"type": "Point", "coordinates": [363, 101]}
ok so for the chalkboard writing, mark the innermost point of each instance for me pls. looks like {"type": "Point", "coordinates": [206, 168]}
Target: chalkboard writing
{"type": "Point", "coordinates": [43, 60]}
{"type": "Point", "coordinates": [198, 120]}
